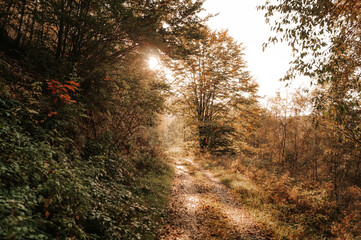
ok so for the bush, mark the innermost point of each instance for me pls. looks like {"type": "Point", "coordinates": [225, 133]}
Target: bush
{"type": "Point", "coordinates": [49, 190]}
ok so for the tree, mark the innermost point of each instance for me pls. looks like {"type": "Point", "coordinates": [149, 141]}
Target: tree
{"type": "Point", "coordinates": [213, 82]}
{"type": "Point", "coordinates": [92, 34]}
{"type": "Point", "coordinates": [75, 92]}
{"type": "Point", "coordinates": [324, 36]}
{"type": "Point", "coordinates": [98, 38]}
{"type": "Point", "coordinates": [138, 96]}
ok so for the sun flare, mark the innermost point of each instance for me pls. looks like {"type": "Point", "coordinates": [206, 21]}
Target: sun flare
{"type": "Point", "coordinates": [153, 63]}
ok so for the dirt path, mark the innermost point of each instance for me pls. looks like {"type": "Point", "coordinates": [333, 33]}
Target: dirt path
{"type": "Point", "coordinates": [203, 208]}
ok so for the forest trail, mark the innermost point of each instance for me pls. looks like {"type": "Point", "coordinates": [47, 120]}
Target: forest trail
{"type": "Point", "coordinates": [203, 208]}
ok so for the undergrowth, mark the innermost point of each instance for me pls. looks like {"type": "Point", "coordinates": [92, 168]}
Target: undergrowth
{"type": "Point", "coordinates": [290, 209]}
{"type": "Point", "coordinates": [52, 187]}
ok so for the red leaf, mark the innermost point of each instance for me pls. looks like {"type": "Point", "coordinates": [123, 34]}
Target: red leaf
{"type": "Point", "coordinates": [73, 83]}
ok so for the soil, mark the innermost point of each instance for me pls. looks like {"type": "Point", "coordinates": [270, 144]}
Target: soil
{"type": "Point", "coordinates": [203, 208]}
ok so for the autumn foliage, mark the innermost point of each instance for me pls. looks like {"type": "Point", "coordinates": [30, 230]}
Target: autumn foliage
{"type": "Point", "coordinates": [78, 151]}
{"type": "Point", "coordinates": [60, 91]}
{"type": "Point", "coordinates": [97, 170]}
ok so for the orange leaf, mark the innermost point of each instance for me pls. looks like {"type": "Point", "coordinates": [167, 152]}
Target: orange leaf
{"type": "Point", "coordinates": [68, 87]}
{"type": "Point", "coordinates": [47, 214]}
{"type": "Point", "coordinates": [73, 83]}
{"type": "Point", "coordinates": [52, 113]}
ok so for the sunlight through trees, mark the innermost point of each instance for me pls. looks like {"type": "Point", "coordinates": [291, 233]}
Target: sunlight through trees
{"type": "Point", "coordinates": [84, 85]}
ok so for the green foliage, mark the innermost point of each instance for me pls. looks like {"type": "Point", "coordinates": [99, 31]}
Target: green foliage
{"type": "Point", "coordinates": [96, 31]}
{"type": "Point", "coordinates": [78, 105]}
{"type": "Point", "coordinates": [58, 182]}
{"type": "Point", "coordinates": [216, 137]}
{"type": "Point", "coordinates": [33, 171]}
{"type": "Point", "coordinates": [47, 193]}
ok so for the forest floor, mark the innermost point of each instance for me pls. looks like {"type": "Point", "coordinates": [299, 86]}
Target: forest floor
{"type": "Point", "coordinates": [202, 207]}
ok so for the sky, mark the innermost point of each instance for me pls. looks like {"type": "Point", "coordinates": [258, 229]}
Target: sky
{"type": "Point", "coordinates": [247, 25]}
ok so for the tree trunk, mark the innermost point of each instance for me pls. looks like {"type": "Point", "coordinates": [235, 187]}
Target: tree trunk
{"type": "Point", "coordinates": [21, 21]}
{"type": "Point", "coordinates": [61, 30]}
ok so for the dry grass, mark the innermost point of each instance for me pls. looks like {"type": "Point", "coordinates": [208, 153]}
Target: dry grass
{"type": "Point", "coordinates": [289, 209]}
